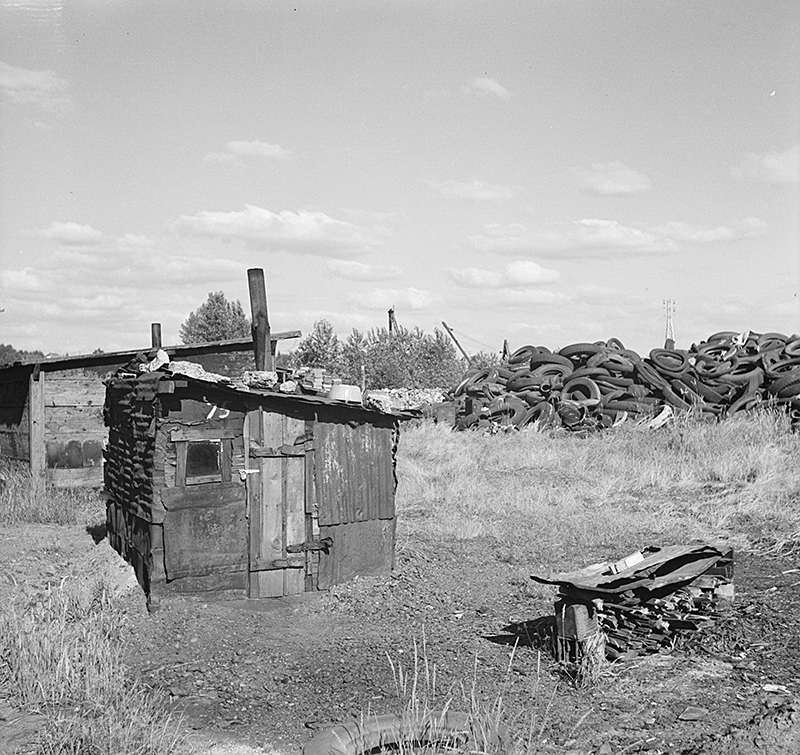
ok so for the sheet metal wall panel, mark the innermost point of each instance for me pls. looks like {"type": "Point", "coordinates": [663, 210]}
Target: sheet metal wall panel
{"type": "Point", "coordinates": [360, 549]}
{"type": "Point", "coordinates": [355, 473]}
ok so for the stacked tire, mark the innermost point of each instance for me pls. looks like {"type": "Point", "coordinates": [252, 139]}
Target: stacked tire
{"type": "Point", "coordinates": [590, 386]}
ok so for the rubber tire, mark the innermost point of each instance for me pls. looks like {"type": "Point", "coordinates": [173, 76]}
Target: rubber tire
{"type": "Point", "coordinates": [672, 363]}
{"type": "Point", "coordinates": [572, 386]}
{"type": "Point", "coordinates": [538, 360]}
{"type": "Point", "coordinates": [580, 352]}
{"type": "Point", "coordinates": [389, 731]}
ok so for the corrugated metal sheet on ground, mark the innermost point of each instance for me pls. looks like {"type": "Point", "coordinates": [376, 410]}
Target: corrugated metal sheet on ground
{"type": "Point", "coordinates": [355, 477]}
{"type": "Point", "coordinates": [661, 567]}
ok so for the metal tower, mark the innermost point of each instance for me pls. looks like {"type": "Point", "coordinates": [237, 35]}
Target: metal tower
{"type": "Point", "coordinates": [669, 309]}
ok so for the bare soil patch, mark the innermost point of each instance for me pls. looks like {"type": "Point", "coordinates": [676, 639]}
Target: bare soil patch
{"type": "Point", "coordinates": [269, 674]}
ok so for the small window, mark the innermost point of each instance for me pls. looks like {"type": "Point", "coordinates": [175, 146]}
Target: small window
{"type": "Point", "coordinates": [206, 460]}
{"type": "Point", "coordinates": [203, 459]}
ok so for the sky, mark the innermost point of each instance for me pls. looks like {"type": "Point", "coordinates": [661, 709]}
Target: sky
{"type": "Point", "coordinates": [546, 172]}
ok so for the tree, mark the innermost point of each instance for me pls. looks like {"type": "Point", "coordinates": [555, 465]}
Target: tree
{"type": "Point", "coordinates": [216, 320]}
{"type": "Point", "coordinates": [320, 348]}
{"type": "Point", "coordinates": [9, 355]}
{"type": "Point", "coordinates": [401, 359]}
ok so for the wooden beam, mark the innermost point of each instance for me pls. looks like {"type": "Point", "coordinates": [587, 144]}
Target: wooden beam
{"type": "Point", "coordinates": [36, 455]}
{"type": "Point", "coordinates": [155, 335]}
{"type": "Point", "coordinates": [182, 351]}
{"type": "Point", "coordinates": [258, 306]}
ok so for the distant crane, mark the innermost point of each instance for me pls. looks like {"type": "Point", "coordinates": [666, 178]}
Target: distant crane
{"type": "Point", "coordinates": [669, 336]}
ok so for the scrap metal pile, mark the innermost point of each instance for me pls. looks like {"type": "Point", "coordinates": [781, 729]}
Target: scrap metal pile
{"type": "Point", "coordinates": [588, 386]}
{"type": "Point", "coordinates": [643, 603]}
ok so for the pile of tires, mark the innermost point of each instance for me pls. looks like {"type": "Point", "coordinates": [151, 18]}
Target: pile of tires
{"type": "Point", "coordinates": [591, 386]}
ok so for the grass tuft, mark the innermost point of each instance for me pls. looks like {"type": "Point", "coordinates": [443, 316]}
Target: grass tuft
{"type": "Point", "coordinates": [19, 504]}
{"type": "Point", "coordinates": [61, 657]}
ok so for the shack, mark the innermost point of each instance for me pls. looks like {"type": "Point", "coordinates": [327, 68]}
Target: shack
{"type": "Point", "coordinates": [217, 489]}
{"type": "Point", "coordinates": [51, 410]}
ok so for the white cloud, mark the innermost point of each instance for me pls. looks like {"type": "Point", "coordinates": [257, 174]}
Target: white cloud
{"type": "Point", "coordinates": [612, 179]}
{"type": "Point", "coordinates": [590, 235]}
{"type": "Point", "coordinates": [777, 168]}
{"type": "Point", "coordinates": [26, 279]}
{"type": "Point", "coordinates": [358, 271]}
{"type": "Point", "coordinates": [384, 298]}
{"type": "Point", "coordinates": [305, 231]}
{"type": "Point", "coordinates": [485, 85]}
{"type": "Point", "coordinates": [518, 274]}
{"type": "Point", "coordinates": [71, 234]}
{"type": "Point", "coordinates": [745, 228]}
{"type": "Point", "coordinates": [516, 296]}
{"type": "Point", "coordinates": [236, 149]}
{"type": "Point", "coordinates": [134, 241]}
{"type": "Point", "coordinates": [43, 89]}
{"type": "Point", "coordinates": [606, 238]}
{"type": "Point", "coordinates": [474, 190]}
{"type": "Point", "coordinates": [593, 291]}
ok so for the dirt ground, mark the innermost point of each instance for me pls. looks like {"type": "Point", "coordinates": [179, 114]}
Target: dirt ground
{"type": "Point", "coordinates": [249, 675]}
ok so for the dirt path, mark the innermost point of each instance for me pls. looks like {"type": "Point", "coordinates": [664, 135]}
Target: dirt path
{"type": "Point", "coordinates": [270, 674]}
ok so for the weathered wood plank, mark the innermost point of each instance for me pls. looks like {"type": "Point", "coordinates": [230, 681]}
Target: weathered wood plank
{"type": "Point", "coordinates": [294, 519]}
{"type": "Point", "coordinates": [203, 496]}
{"type": "Point", "coordinates": [209, 430]}
{"type": "Point", "coordinates": [83, 391]}
{"type": "Point", "coordinates": [65, 420]}
{"type": "Point", "coordinates": [205, 540]}
{"type": "Point", "coordinates": [266, 584]}
{"type": "Point", "coordinates": [83, 477]}
{"type": "Point", "coordinates": [270, 540]}
{"type": "Point", "coordinates": [36, 421]}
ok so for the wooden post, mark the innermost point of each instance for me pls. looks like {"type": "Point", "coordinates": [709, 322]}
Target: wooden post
{"type": "Point", "coordinates": [36, 454]}
{"type": "Point", "coordinates": [155, 334]}
{"type": "Point", "coordinates": [262, 343]}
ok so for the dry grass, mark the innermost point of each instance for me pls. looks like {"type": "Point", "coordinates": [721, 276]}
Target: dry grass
{"type": "Point", "coordinates": [61, 657]}
{"type": "Point", "coordinates": [19, 504]}
{"type": "Point", "coordinates": [561, 497]}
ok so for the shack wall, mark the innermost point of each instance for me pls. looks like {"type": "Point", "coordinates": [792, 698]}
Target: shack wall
{"type": "Point", "coordinates": [14, 418]}
{"type": "Point", "coordinates": [190, 536]}
{"type": "Point", "coordinates": [74, 432]}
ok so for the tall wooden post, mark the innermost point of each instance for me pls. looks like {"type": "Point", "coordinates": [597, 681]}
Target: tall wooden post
{"type": "Point", "coordinates": [36, 456]}
{"type": "Point", "coordinates": [262, 343]}
{"type": "Point", "coordinates": [455, 341]}
{"type": "Point", "coordinates": [155, 335]}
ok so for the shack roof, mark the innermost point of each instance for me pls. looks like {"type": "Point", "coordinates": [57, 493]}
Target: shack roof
{"type": "Point", "coordinates": [183, 351]}
{"type": "Point", "coordinates": [196, 377]}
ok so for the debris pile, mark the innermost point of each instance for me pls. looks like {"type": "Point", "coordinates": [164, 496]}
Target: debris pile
{"type": "Point", "coordinates": [643, 603]}
{"type": "Point", "coordinates": [589, 386]}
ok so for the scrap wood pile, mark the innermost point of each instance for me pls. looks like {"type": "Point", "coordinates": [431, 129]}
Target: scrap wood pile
{"type": "Point", "coordinates": [643, 603]}
{"type": "Point", "coordinates": [587, 386]}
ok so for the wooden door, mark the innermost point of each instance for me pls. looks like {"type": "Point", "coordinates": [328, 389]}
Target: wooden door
{"type": "Point", "coordinates": [275, 460]}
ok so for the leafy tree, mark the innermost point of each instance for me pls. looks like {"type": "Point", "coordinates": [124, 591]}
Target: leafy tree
{"type": "Point", "coordinates": [9, 355]}
{"type": "Point", "coordinates": [320, 348]}
{"type": "Point", "coordinates": [216, 320]}
{"type": "Point", "coordinates": [401, 359]}
{"type": "Point", "coordinates": [484, 359]}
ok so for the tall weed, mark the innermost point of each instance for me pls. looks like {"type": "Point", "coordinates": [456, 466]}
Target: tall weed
{"type": "Point", "coordinates": [61, 657]}
{"type": "Point", "coordinates": [605, 494]}
{"type": "Point", "coordinates": [21, 504]}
